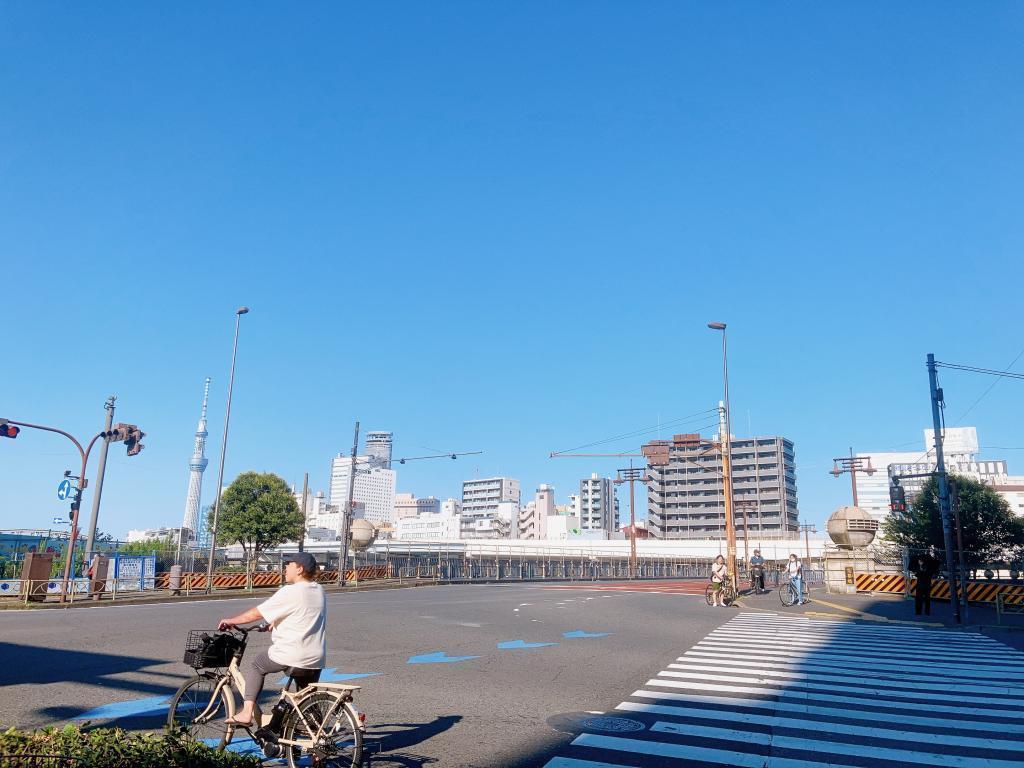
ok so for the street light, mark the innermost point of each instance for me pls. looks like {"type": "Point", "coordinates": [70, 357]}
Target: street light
{"type": "Point", "coordinates": [223, 449]}
{"type": "Point", "coordinates": [726, 441]}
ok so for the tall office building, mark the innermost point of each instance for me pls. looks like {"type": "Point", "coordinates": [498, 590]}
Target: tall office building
{"type": "Point", "coordinates": [486, 504]}
{"type": "Point", "coordinates": [685, 499]}
{"type": "Point", "coordinates": [378, 448]}
{"type": "Point", "coordinates": [598, 508]}
{"type": "Point", "coordinates": [196, 466]}
{"type": "Point", "coordinates": [374, 488]}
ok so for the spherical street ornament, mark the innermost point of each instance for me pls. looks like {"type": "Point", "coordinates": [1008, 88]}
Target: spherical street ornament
{"type": "Point", "coordinates": [363, 534]}
{"type": "Point", "coordinates": [989, 574]}
{"type": "Point", "coordinates": [851, 528]}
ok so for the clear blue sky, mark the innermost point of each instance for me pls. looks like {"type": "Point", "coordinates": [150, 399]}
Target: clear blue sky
{"type": "Point", "coordinates": [500, 228]}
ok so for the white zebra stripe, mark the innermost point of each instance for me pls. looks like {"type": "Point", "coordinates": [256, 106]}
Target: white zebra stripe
{"type": "Point", "coordinates": [859, 712]}
{"type": "Point", "coordinates": [893, 733]}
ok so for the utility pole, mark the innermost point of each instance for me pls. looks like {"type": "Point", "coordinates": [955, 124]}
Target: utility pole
{"type": "Point", "coordinates": [100, 470]}
{"type": "Point", "coordinates": [954, 502]}
{"type": "Point", "coordinates": [346, 520]}
{"type": "Point", "coordinates": [852, 464]}
{"type": "Point", "coordinates": [305, 493]}
{"type": "Point", "coordinates": [940, 470]}
{"type": "Point", "coordinates": [631, 475]}
{"type": "Point", "coordinates": [725, 439]}
{"type": "Point", "coordinates": [807, 528]}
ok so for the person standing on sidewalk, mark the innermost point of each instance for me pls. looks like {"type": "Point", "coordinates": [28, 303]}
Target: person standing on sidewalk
{"type": "Point", "coordinates": [924, 570]}
{"type": "Point", "coordinates": [795, 571]}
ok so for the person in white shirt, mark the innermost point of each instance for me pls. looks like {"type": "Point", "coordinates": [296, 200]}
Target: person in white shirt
{"type": "Point", "coordinates": [297, 614]}
{"type": "Point", "coordinates": [795, 571]}
{"type": "Point", "coordinates": [719, 571]}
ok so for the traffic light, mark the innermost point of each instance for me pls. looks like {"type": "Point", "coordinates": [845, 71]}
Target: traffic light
{"type": "Point", "coordinates": [8, 430]}
{"type": "Point", "coordinates": [129, 434]}
{"type": "Point", "coordinates": [134, 441]}
{"type": "Point", "coordinates": [897, 497]}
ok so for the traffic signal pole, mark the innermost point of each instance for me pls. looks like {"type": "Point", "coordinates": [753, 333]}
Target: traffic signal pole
{"type": "Point", "coordinates": [90, 540]}
{"type": "Point", "coordinates": [940, 471]}
{"type": "Point", "coordinates": [346, 520]}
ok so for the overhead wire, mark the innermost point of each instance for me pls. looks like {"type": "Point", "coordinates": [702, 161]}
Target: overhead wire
{"type": "Point", "coordinates": [640, 432]}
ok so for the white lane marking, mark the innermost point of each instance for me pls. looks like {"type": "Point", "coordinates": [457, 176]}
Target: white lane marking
{"type": "Point", "coordinates": [864, 689]}
{"type": "Point", "coordinates": [803, 724]}
{"type": "Point", "coordinates": [832, 629]}
{"type": "Point", "coordinates": [840, 710]}
{"type": "Point", "coordinates": [689, 752]}
{"type": "Point", "coordinates": [903, 648]}
{"type": "Point", "coordinates": [724, 666]}
{"type": "Point", "coordinates": [868, 699]}
{"type": "Point", "coordinates": [828, 665]}
{"type": "Point", "coordinates": [889, 754]}
{"type": "Point", "coordinates": [568, 762]}
{"type": "Point", "coordinates": [868, 660]}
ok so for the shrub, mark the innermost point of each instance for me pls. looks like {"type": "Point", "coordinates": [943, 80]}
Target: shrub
{"type": "Point", "coordinates": [72, 747]}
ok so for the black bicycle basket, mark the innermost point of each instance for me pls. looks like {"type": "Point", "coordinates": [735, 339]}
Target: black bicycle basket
{"type": "Point", "coordinates": [208, 648]}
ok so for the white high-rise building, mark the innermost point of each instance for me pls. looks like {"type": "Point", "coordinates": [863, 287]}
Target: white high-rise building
{"type": "Point", "coordinates": [378, 448]}
{"type": "Point", "coordinates": [533, 517]}
{"type": "Point", "coordinates": [435, 526]}
{"type": "Point", "coordinates": [374, 488]}
{"type": "Point", "coordinates": [483, 500]}
{"type": "Point", "coordinates": [597, 505]}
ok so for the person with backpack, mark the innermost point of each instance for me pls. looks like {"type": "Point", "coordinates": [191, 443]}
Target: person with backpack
{"type": "Point", "coordinates": [719, 573]}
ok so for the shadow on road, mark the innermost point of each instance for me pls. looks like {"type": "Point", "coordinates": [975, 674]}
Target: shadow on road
{"type": "Point", "coordinates": [385, 744]}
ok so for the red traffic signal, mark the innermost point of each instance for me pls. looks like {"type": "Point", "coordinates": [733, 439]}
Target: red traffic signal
{"type": "Point", "coordinates": [9, 430]}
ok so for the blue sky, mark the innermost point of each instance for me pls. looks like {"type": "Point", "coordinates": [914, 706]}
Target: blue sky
{"type": "Point", "coordinates": [500, 228]}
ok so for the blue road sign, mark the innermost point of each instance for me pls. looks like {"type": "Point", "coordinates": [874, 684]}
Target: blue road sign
{"type": "Point", "coordinates": [64, 489]}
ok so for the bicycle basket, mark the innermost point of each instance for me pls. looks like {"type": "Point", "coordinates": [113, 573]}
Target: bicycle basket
{"type": "Point", "coordinates": [210, 648]}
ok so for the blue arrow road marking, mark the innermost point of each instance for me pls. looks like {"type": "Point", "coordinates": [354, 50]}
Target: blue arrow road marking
{"type": "Point", "coordinates": [153, 705]}
{"type": "Point", "coordinates": [333, 676]}
{"type": "Point", "coordinates": [580, 633]}
{"type": "Point", "coordinates": [440, 657]}
{"type": "Point", "coordinates": [510, 645]}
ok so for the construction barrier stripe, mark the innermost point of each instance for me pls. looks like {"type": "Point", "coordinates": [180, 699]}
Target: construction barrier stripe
{"type": "Point", "coordinates": [236, 580]}
{"type": "Point", "coordinates": [977, 591]}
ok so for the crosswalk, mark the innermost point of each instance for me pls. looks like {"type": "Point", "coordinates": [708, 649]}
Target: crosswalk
{"type": "Point", "coordinates": [772, 691]}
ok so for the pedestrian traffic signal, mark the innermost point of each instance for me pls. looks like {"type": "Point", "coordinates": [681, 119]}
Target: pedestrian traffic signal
{"type": "Point", "coordinates": [897, 497]}
{"type": "Point", "coordinates": [8, 430]}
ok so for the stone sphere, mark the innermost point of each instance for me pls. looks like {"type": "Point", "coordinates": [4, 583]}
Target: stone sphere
{"type": "Point", "coordinates": [363, 534]}
{"type": "Point", "coordinates": [851, 527]}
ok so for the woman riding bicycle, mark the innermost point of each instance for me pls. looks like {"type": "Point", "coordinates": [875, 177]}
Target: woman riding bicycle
{"type": "Point", "coordinates": [719, 573]}
{"type": "Point", "coordinates": [297, 614]}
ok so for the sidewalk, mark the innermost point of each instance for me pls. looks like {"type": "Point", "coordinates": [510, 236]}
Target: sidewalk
{"type": "Point", "coordinates": [896, 610]}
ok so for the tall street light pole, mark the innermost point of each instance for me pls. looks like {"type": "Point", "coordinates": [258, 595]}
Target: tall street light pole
{"type": "Point", "coordinates": [853, 465]}
{"type": "Point", "coordinates": [726, 441]}
{"type": "Point", "coordinates": [223, 450]}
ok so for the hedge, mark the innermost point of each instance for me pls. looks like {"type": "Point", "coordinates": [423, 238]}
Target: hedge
{"type": "Point", "coordinates": [72, 747]}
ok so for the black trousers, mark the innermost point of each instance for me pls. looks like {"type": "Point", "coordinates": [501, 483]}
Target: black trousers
{"type": "Point", "coordinates": [923, 597]}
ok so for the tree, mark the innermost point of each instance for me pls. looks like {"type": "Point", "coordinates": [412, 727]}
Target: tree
{"type": "Point", "coordinates": [991, 532]}
{"type": "Point", "coordinates": [146, 546]}
{"type": "Point", "coordinates": [258, 511]}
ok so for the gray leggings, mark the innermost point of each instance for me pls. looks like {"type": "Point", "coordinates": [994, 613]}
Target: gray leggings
{"type": "Point", "coordinates": [257, 668]}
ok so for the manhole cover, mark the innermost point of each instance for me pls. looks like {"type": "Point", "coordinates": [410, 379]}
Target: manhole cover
{"type": "Point", "coordinates": [613, 724]}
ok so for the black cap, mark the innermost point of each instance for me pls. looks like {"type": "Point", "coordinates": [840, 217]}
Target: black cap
{"type": "Point", "coordinates": [305, 560]}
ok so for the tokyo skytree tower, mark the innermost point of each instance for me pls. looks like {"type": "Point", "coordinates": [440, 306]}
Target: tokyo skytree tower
{"type": "Point", "coordinates": [196, 465]}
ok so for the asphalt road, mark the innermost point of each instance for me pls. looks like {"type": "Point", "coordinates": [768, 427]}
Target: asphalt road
{"type": "Point", "coordinates": [513, 704]}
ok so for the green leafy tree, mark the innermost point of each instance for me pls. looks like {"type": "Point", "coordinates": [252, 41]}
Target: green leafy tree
{"type": "Point", "coordinates": [991, 532]}
{"type": "Point", "coordinates": [258, 511]}
{"type": "Point", "coordinates": [147, 546]}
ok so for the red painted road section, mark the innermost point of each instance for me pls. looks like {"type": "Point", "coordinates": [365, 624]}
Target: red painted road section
{"type": "Point", "coordinates": [690, 587]}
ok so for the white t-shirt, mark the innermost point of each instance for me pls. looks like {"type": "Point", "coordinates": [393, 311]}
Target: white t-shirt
{"type": "Point", "coordinates": [794, 568]}
{"type": "Point", "coordinates": [298, 614]}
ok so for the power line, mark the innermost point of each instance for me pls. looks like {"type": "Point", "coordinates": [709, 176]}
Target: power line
{"type": "Point", "coordinates": [973, 369]}
{"type": "Point", "coordinates": [990, 388]}
{"type": "Point", "coordinates": [640, 432]}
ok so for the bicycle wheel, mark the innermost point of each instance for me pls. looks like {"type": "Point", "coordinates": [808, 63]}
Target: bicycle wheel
{"type": "Point", "coordinates": [787, 595]}
{"type": "Point", "coordinates": [709, 594]}
{"type": "Point", "coordinates": [194, 710]}
{"type": "Point", "coordinates": [340, 741]}
{"type": "Point", "coordinates": [728, 594]}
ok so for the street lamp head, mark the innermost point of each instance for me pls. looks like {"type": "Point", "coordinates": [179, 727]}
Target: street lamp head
{"type": "Point", "coordinates": [242, 311]}
{"type": "Point", "coordinates": [716, 326]}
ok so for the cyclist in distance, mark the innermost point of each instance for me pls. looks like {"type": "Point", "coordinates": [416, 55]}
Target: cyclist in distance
{"type": "Point", "coordinates": [795, 571]}
{"type": "Point", "coordinates": [719, 573]}
{"type": "Point", "coordinates": [297, 614]}
{"type": "Point", "coordinates": [757, 571]}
